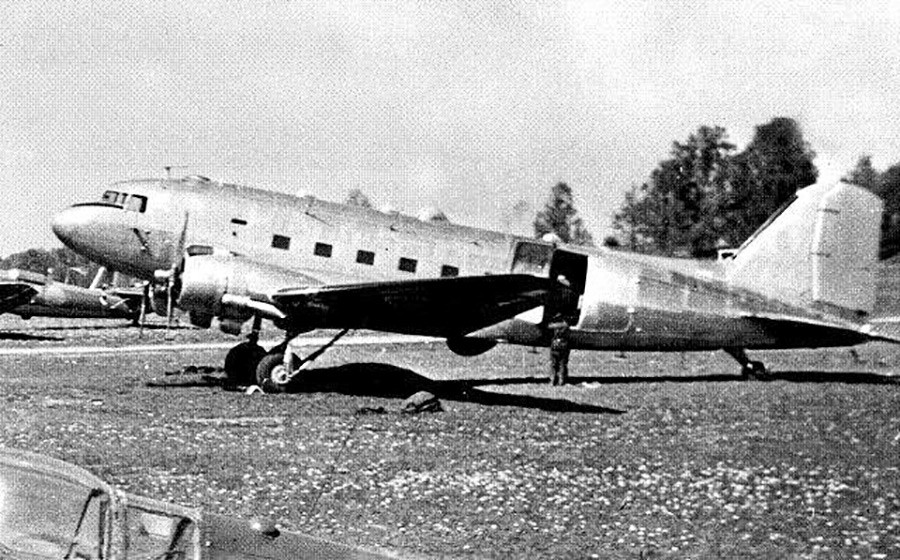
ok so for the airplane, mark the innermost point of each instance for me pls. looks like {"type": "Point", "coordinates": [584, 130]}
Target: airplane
{"type": "Point", "coordinates": [30, 294]}
{"type": "Point", "coordinates": [805, 279]}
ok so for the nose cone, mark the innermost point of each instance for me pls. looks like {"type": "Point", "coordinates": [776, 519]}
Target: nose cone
{"type": "Point", "coordinates": [70, 226]}
{"type": "Point", "coordinates": [89, 230]}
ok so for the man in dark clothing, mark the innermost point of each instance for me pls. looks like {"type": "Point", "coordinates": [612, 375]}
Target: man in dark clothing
{"type": "Point", "coordinates": [559, 350]}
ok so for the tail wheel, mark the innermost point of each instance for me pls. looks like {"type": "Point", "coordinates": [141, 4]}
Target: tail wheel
{"type": "Point", "coordinates": [241, 362]}
{"type": "Point", "coordinates": [271, 374]}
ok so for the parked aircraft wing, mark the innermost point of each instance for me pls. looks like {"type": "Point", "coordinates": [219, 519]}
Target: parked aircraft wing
{"type": "Point", "coordinates": [14, 294]}
{"type": "Point", "coordinates": [820, 333]}
{"type": "Point", "coordinates": [441, 307]}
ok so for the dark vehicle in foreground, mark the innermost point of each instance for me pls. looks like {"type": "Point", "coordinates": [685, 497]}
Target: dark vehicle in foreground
{"type": "Point", "coordinates": [52, 509]}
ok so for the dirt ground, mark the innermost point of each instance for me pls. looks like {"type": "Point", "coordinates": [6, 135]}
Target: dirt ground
{"type": "Point", "coordinates": [642, 456]}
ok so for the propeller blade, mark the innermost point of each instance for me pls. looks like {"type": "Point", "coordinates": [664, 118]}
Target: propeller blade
{"type": "Point", "coordinates": [169, 305]}
{"type": "Point", "coordinates": [177, 267]}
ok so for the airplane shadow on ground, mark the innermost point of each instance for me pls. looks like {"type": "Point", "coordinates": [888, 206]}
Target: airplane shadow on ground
{"type": "Point", "coordinates": [388, 381]}
{"type": "Point", "coordinates": [392, 382]}
{"type": "Point", "coordinates": [24, 336]}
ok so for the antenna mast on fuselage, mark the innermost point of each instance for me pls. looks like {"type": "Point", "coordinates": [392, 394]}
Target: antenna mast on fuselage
{"type": "Point", "coordinates": [169, 169]}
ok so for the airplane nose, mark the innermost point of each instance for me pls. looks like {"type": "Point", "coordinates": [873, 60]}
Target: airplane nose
{"type": "Point", "coordinates": [67, 225]}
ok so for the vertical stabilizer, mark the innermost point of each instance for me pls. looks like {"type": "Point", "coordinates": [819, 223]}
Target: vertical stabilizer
{"type": "Point", "coordinates": [820, 251]}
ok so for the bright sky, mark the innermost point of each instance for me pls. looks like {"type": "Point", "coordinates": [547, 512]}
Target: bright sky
{"type": "Point", "coordinates": [468, 106]}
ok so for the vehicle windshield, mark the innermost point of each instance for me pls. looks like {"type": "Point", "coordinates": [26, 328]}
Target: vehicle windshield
{"type": "Point", "coordinates": [42, 516]}
{"type": "Point", "coordinates": [154, 534]}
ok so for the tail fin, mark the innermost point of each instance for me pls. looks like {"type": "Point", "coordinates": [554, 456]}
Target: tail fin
{"type": "Point", "coordinates": [820, 251]}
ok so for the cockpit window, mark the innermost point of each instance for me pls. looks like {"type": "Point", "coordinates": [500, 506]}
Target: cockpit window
{"type": "Point", "coordinates": [130, 202]}
{"type": "Point", "coordinates": [110, 197]}
{"type": "Point", "coordinates": [136, 203]}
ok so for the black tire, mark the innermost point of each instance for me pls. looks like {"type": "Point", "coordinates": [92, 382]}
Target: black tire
{"type": "Point", "coordinates": [757, 370]}
{"type": "Point", "coordinates": [241, 362]}
{"type": "Point", "coordinates": [264, 371]}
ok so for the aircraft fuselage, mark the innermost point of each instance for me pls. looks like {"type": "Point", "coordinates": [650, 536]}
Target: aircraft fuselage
{"type": "Point", "coordinates": [626, 301]}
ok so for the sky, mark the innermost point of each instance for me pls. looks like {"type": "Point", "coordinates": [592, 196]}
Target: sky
{"type": "Point", "coordinates": [467, 106]}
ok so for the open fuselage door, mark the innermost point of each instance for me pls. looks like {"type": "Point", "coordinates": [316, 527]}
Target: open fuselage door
{"type": "Point", "coordinates": [543, 259]}
{"type": "Point", "coordinates": [568, 271]}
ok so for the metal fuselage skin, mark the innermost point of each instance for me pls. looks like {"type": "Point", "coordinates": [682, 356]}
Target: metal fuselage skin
{"type": "Point", "coordinates": [627, 301]}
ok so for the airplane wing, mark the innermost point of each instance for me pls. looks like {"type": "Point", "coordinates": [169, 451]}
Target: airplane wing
{"type": "Point", "coordinates": [442, 307]}
{"type": "Point", "coordinates": [14, 294]}
{"type": "Point", "coordinates": [824, 331]}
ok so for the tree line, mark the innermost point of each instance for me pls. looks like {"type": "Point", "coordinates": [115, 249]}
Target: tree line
{"type": "Point", "coordinates": [61, 264]}
{"type": "Point", "coordinates": [707, 195]}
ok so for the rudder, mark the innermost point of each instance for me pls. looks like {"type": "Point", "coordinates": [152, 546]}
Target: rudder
{"type": "Point", "coordinates": [820, 251]}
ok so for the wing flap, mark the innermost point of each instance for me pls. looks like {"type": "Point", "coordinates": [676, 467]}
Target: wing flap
{"type": "Point", "coordinates": [442, 307]}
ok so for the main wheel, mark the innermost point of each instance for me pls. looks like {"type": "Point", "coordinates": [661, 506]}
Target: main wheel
{"type": "Point", "coordinates": [756, 370]}
{"type": "Point", "coordinates": [241, 362]}
{"type": "Point", "coordinates": [271, 374]}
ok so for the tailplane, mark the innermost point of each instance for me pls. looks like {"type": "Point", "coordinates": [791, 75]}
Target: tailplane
{"type": "Point", "coordinates": [821, 250]}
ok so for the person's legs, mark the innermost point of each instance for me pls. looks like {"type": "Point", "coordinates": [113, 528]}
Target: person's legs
{"type": "Point", "coordinates": [564, 369]}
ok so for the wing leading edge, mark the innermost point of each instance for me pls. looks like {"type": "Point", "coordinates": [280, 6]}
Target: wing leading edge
{"type": "Point", "coordinates": [443, 307]}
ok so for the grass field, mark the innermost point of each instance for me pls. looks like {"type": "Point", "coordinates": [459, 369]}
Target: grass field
{"type": "Point", "coordinates": [644, 456]}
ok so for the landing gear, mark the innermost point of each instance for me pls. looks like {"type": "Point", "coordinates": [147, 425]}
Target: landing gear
{"type": "Point", "coordinates": [241, 361]}
{"type": "Point", "coordinates": [281, 366]}
{"type": "Point", "coordinates": [749, 369]}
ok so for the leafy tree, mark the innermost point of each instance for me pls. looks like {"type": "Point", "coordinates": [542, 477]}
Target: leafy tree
{"type": "Point", "coordinates": [776, 163]}
{"type": "Point", "coordinates": [864, 174]}
{"type": "Point", "coordinates": [432, 214]}
{"type": "Point", "coordinates": [676, 212]}
{"type": "Point", "coordinates": [57, 263]}
{"type": "Point", "coordinates": [886, 185]}
{"type": "Point", "coordinates": [358, 198]}
{"type": "Point", "coordinates": [705, 196]}
{"type": "Point", "coordinates": [559, 217]}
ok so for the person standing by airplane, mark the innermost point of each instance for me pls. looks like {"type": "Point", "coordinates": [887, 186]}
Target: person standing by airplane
{"type": "Point", "coordinates": [563, 300]}
{"type": "Point", "coordinates": [559, 350]}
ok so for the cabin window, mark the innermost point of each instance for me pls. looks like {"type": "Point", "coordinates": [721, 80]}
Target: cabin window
{"type": "Point", "coordinates": [407, 265]}
{"type": "Point", "coordinates": [365, 257]}
{"type": "Point", "coordinates": [238, 221]}
{"type": "Point", "coordinates": [197, 250]}
{"type": "Point", "coordinates": [136, 203]}
{"type": "Point", "coordinates": [281, 242]}
{"type": "Point", "coordinates": [322, 250]}
{"type": "Point", "coordinates": [447, 270]}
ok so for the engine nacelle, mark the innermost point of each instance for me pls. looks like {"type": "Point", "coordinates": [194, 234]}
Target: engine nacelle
{"type": "Point", "coordinates": [470, 346]}
{"type": "Point", "coordinates": [231, 288]}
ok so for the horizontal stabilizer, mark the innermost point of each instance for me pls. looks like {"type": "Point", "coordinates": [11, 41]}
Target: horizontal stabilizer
{"type": "Point", "coordinates": [822, 333]}
{"type": "Point", "coordinates": [443, 307]}
{"type": "Point", "coordinates": [884, 330]}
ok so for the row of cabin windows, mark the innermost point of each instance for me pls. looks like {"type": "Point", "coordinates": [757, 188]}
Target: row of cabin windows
{"type": "Point", "coordinates": [405, 264]}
